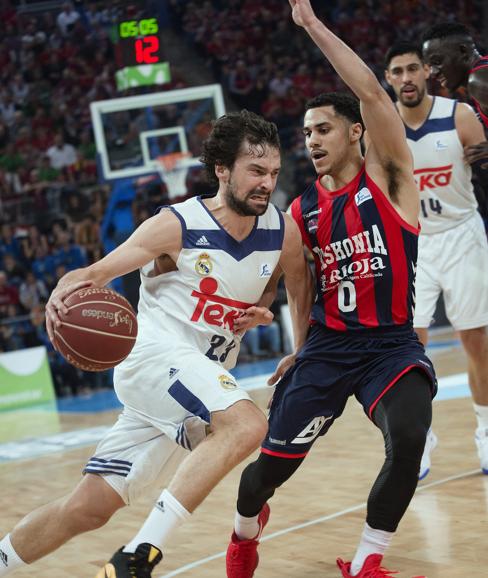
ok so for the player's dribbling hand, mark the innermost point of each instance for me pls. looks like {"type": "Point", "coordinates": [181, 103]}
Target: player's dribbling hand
{"type": "Point", "coordinates": [302, 12]}
{"type": "Point", "coordinates": [475, 153]}
{"type": "Point", "coordinates": [56, 304]}
{"type": "Point", "coordinates": [283, 366]}
{"type": "Point", "coordinates": [252, 317]}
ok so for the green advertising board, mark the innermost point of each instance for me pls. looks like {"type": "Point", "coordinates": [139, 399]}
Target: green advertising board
{"type": "Point", "coordinates": [143, 75]}
{"type": "Point", "coordinates": [27, 397]}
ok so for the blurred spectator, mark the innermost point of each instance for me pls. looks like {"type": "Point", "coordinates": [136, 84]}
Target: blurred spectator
{"type": "Point", "coordinates": [68, 254]}
{"type": "Point", "coordinates": [263, 340]}
{"type": "Point", "coordinates": [43, 265]}
{"type": "Point", "coordinates": [67, 18]}
{"type": "Point", "coordinates": [32, 291]}
{"type": "Point", "coordinates": [61, 154]}
{"type": "Point", "coordinates": [13, 269]}
{"type": "Point", "coordinates": [8, 294]}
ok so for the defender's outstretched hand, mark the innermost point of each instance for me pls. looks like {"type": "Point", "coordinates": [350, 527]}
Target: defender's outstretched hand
{"type": "Point", "coordinates": [302, 12]}
{"type": "Point", "coordinates": [253, 317]}
{"type": "Point", "coordinates": [283, 366]}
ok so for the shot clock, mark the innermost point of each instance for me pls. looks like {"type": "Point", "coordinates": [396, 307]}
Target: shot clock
{"type": "Point", "coordinates": [139, 42]}
{"type": "Point", "coordinates": [139, 54]}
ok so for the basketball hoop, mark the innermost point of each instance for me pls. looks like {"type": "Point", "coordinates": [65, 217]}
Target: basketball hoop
{"type": "Point", "coordinates": [173, 170]}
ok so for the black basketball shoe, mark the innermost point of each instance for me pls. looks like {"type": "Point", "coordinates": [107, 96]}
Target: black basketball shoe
{"type": "Point", "coordinates": [140, 564]}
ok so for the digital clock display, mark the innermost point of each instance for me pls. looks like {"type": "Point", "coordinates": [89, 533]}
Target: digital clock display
{"type": "Point", "coordinates": [139, 42]}
{"type": "Point", "coordinates": [132, 28]}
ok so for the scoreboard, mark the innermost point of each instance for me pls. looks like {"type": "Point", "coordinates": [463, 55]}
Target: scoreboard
{"type": "Point", "coordinates": [139, 53]}
{"type": "Point", "coordinates": [139, 42]}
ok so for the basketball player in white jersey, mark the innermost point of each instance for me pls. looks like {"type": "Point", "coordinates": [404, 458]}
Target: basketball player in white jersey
{"type": "Point", "coordinates": [204, 263]}
{"type": "Point", "coordinates": [453, 249]}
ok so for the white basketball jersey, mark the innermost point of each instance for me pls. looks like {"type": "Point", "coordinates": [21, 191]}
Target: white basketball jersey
{"type": "Point", "coordinates": [443, 179]}
{"type": "Point", "coordinates": [217, 279]}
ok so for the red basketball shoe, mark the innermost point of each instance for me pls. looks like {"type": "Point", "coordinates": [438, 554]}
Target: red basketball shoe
{"type": "Point", "coordinates": [242, 555]}
{"type": "Point", "coordinates": [371, 568]}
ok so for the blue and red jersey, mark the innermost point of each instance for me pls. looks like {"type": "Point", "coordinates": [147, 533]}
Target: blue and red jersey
{"type": "Point", "coordinates": [481, 63]}
{"type": "Point", "coordinates": [365, 256]}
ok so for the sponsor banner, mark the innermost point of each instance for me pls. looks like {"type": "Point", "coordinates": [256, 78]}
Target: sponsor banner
{"type": "Point", "coordinates": [25, 379]}
{"type": "Point", "coordinates": [143, 75]}
{"type": "Point", "coordinates": [27, 397]}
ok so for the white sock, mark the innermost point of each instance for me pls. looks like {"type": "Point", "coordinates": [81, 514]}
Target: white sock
{"type": "Point", "coordinates": [163, 520]}
{"type": "Point", "coordinates": [481, 412]}
{"type": "Point", "coordinates": [9, 559]}
{"type": "Point", "coordinates": [372, 542]}
{"type": "Point", "coordinates": [246, 528]}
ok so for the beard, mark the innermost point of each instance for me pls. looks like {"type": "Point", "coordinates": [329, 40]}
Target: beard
{"type": "Point", "coordinates": [243, 207]}
{"type": "Point", "coordinates": [413, 103]}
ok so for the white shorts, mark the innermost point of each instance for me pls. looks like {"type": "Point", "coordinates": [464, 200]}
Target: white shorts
{"type": "Point", "coordinates": [169, 391]}
{"type": "Point", "coordinates": [455, 263]}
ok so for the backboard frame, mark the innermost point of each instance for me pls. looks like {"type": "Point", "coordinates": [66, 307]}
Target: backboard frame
{"type": "Point", "coordinates": [101, 107]}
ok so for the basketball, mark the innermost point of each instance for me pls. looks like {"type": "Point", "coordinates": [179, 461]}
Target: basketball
{"type": "Point", "coordinates": [99, 330]}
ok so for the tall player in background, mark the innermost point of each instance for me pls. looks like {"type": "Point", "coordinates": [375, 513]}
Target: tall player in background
{"type": "Point", "coordinates": [360, 221]}
{"type": "Point", "coordinates": [451, 54]}
{"type": "Point", "coordinates": [453, 249]}
{"type": "Point", "coordinates": [175, 384]}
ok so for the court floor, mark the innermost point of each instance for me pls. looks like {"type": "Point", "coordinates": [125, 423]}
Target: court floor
{"type": "Point", "coordinates": [315, 517]}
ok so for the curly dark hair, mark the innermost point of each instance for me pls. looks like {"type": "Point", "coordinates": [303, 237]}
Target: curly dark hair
{"type": "Point", "coordinates": [445, 30]}
{"type": "Point", "coordinates": [401, 48]}
{"type": "Point", "coordinates": [344, 105]}
{"type": "Point", "coordinates": [229, 132]}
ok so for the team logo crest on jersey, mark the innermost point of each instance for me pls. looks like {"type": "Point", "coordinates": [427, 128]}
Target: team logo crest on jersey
{"type": "Point", "coordinates": [313, 225]}
{"type": "Point", "coordinates": [363, 195]}
{"type": "Point", "coordinates": [226, 382]}
{"type": "Point", "coordinates": [203, 266]}
{"type": "Point", "coordinates": [265, 270]}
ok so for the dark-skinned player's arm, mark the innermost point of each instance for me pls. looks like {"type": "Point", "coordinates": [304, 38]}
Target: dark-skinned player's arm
{"type": "Point", "coordinates": [300, 291]}
{"type": "Point", "coordinates": [383, 123]}
{"type": "Point", "coordinates": [477, 154]}
{"type": "Point", "coordinates": [478, 87]}
{"type": "Point", "coordinates": [472, 137]}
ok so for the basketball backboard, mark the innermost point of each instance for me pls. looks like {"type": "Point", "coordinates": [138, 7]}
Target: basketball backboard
{"type": "Point", "coordinates": [132, 132]}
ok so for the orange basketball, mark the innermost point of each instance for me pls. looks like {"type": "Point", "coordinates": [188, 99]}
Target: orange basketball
{"type": "Point", "coordinates": [99, 330]}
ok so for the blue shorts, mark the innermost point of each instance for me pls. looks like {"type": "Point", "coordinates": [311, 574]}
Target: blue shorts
{"type": "Point", "coordinates": [331, 367]}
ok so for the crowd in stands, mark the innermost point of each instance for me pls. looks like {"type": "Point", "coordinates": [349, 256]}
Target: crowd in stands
{"type": "Point", "coordinates": [269, 65]}
{"type": "Point", "coordinates": [54, 63]}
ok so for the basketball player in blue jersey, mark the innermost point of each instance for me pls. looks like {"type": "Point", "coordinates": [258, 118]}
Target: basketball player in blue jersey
{"type": "Point", "coordinates": [453, 249]}
{"type": "Point", "coordinates": [360, 222]}
{"type": "Point", "coordinates": [454, 61]}
{"type": "Point", "coordinates": [175, 385]}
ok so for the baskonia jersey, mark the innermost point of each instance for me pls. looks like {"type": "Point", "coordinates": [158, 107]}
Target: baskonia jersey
{"type": "Point", "coordinates": [365, 256]}
{"type": "Point", "coordinates": [444, 180]}
{"type": "Point", "coordinates": [217, 278]}
{"type": "Point", "coordinates": [481, 63]}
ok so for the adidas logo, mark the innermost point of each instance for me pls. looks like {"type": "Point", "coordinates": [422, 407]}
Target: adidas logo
{"type": "Point", "coordinates": [202, 242]}
{"type": "Point", "coordinates": [160, 506]}
{"type": "Point", "coordinates": [4, 558]}
{"type": "Point", "coordinates": [173, 371]}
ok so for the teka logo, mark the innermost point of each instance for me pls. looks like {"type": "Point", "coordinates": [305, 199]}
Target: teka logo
{"type": "Point", "coordinates": [216, 310]}
{"type": "Point", "coordinates": [433, 177]}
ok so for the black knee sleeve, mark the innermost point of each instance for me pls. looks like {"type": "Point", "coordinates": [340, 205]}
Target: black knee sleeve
{"type": "Point", "coordinates": [260, 479]}
{"type": "Point", "coordinates": [404, 416]}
